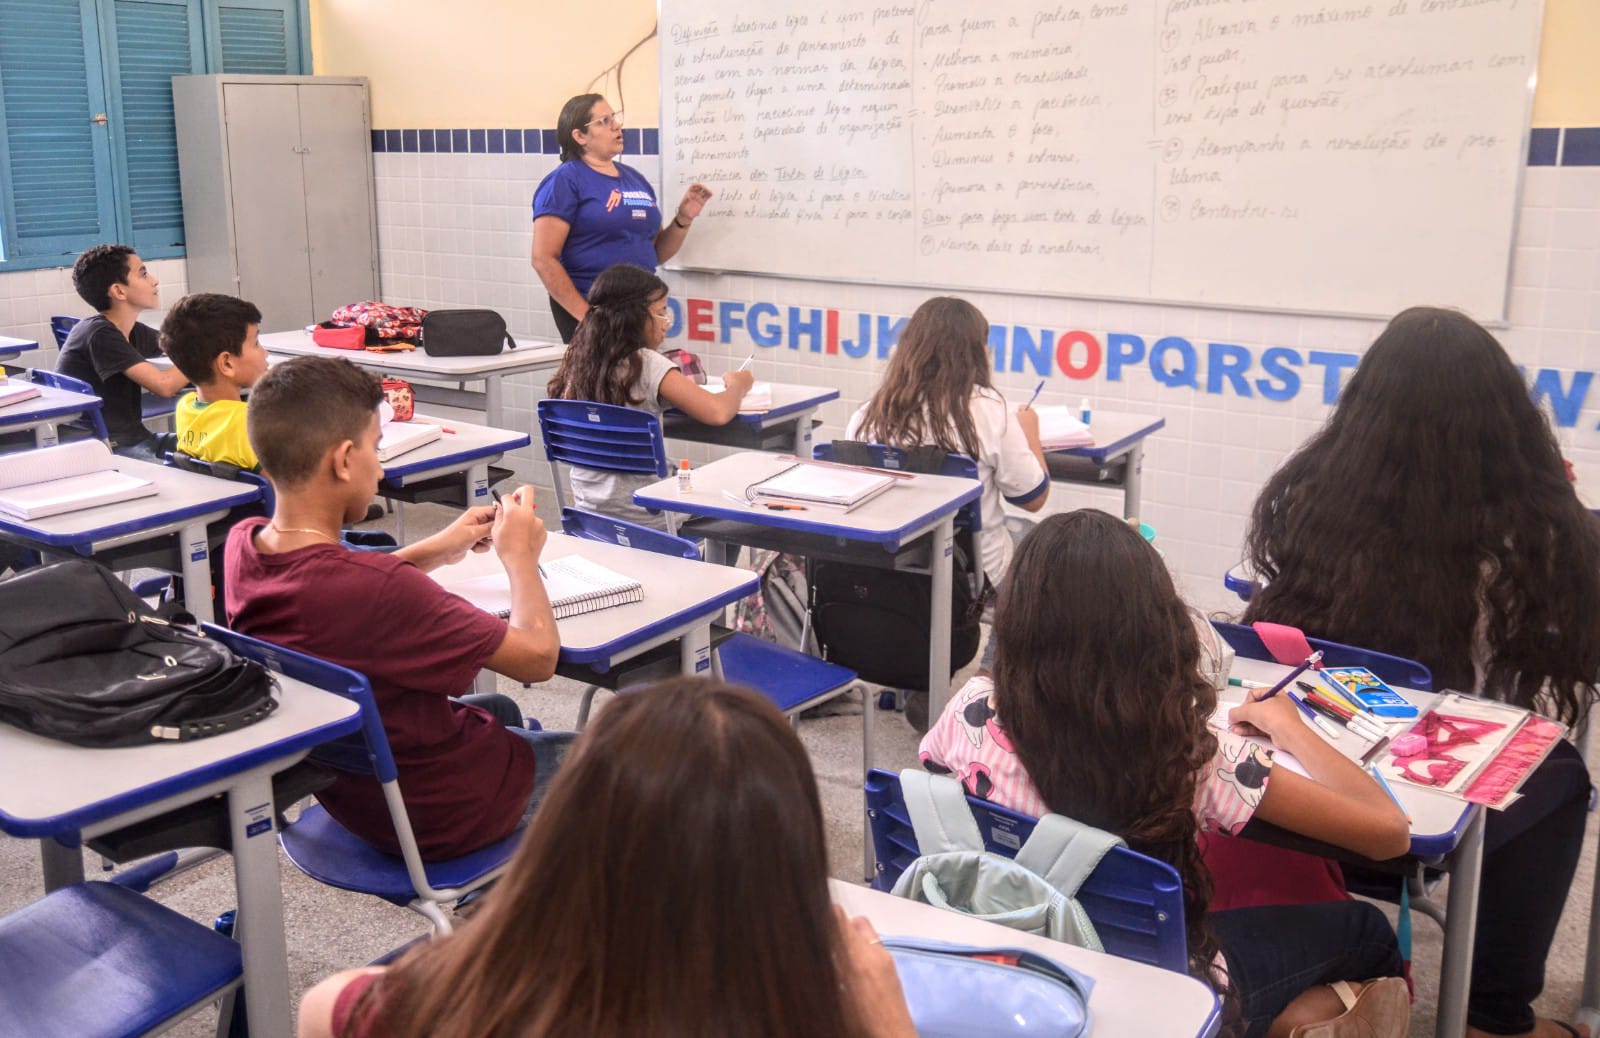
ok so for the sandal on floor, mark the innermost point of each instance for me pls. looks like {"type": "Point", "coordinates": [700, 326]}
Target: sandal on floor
{"type": "Point", "coordinates": [1382, 1010]}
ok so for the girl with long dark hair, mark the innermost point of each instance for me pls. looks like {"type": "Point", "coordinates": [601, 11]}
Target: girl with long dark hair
{"type": "Point", "coordinates": [1097, 710]}
{"type": "Point", "coordinates": [673, 883]}
{"type": "Point", "coordinates": [1432, 518]}
{"type": "Point", "coordinates": [937, 391]}
{"type": "Point", "coordinates": [614, 358]}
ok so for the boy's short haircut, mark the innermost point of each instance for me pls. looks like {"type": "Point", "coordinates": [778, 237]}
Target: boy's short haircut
{"type": "Point", "coordinates": [304, 406]}
{"type": "Point", "coordinates": [204, 326]}
{"type": "Point", "coordinates": [96, 270]}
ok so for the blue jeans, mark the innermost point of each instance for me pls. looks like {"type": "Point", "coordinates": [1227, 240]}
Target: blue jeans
{"type": "Point", "coordinates": [1276, 952]}
{"type": "Point", "coordinates": [549, 748]}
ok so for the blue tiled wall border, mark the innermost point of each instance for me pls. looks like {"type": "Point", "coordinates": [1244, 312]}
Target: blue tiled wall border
{"type": "Point", "coordinates": [1547, 146]}
{"type": "Point", "coordinates": [498, 141]}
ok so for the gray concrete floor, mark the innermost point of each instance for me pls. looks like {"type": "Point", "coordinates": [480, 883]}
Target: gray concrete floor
{"type": "Point", "coordinates": [330, 930]}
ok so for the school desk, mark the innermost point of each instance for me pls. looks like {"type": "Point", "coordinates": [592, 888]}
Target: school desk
{"type": "Point", "coordinates": [463, 447]}
{"type": "Point", "coordinates": [1129, 998]}
{"type": "Point", "coordinates": [784, 427]}
{"type": "Point", "coordinates": [11, 348]}
{"type": "Point", "coordinates": [183, 504]}
{"type": "Point", "coordinates": [44, 412]}
{"type": "Point", "coordinates": [1115, 459]}
{"type": "Point", "coordinates": [681, 598]}
{"type": "Point", "coordinates": [529, 356]}
{"type": "Point", "coordinates": [62, 794]}
{"type": "Point", "coordinates": [1443, 829]}
{"type": "Point", "coordinates": [910, 525]}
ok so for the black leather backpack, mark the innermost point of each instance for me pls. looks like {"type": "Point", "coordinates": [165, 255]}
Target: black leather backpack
{"type": "Point", "coordinates": [85, 660]}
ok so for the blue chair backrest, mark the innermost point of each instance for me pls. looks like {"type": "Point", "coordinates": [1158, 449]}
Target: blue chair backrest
{"type": "Point", "coordinates": [365, 753]}
{"type": "Point", "coordinates": [56, 380]}
{"type": "Point", "coordinates": [893, 458]}
{"type": "Point", "coordinates": [218, 470]}
{"type": "Point", "coordinates": [602, 436]}
{"type": "Point", "coordinates": [592, 526]}
{"type": "Point", "coordinates": [61, 327]}
{"type": "Point", "coordinates": [1134, 901]}
{"type": "Point", "coordinates": [1396, 670]}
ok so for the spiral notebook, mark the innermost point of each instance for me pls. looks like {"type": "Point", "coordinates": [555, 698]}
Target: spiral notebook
{"type": "Point", "coordinates": [575, 586]}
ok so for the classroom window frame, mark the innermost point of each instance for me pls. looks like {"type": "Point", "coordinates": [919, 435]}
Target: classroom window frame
{"type": "Point", "coordinates": [127, 157]}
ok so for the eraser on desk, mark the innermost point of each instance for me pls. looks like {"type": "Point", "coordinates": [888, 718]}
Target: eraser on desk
{"type": "Point", "coordinates": [1408, 745]}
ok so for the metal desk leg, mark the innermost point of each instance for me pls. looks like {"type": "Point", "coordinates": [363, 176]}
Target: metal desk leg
{"type": "Point", "coordinates": [45, 435]}
{"type": "Point", "coordinates": [491, 401]}
{"type": "Point", "coordinates": [694, 650]}
{"type": "Point", "coordinates": [939, 642]}
{"type": "Point", "coordinates": [1460, 928]}
{"type": "Point", "coordinates": [1589, 1005]}
{"type": "Point", "coordinates": [1132, 482]}
{"type": "Point", "coordinates": [62, 865]}
{"type": "Point", "coordinates": [260, 894]}
{"type": "Point", "coordinates": [478, 486]}
{"type": "Point", "coordinates": [196, 571]}
{"type": "Point", "coordinates": [802, 435]}
{"type": "Point", "coordinates": [869, 709]}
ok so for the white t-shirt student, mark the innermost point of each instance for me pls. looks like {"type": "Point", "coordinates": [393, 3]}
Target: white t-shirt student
{"type": "Point", "coordinates": [611, 493]}
{"type": "Point", "coordinates": [1007, 469]}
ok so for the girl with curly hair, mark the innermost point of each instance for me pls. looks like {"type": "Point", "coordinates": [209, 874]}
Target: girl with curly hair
{"type": "Point", "coordinates": [1097, 710]}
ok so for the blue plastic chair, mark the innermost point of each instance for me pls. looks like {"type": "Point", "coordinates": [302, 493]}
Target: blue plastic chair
{"type": "Point", "coordinates": [61, 326]}
{"type": "Point", "coordinates": [56, 380]}
{"type": "Point", "coordinates": [96, 960]}
{"type": "Point", "coordinates": [1134, 901]}
{"type": "Point", "coordinates": [604, 437]}
{"type": "Point", "coordinates": [1396, 670]}
{"type": "Point", "coordinates": [327, 851]}
{"type": "Point", "coordinates": [1240, 584]}
{"type": "Point", "coordinates": [792, 680]}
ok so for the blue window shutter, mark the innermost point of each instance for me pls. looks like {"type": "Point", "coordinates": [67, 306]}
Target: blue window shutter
{"type": "Point", "coordinates": [148, 42]}
{"type": "Point", "coordinates": [55, 195]}
{"type": "Point", "coordinates": [259, 37]}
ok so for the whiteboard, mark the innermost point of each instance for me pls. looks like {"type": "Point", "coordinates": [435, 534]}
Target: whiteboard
{"type": "Point", "coordinates": [1337, 156]}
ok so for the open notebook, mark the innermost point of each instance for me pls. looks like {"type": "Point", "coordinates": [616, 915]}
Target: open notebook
{"type": "Point", "coordinates": [74, 476]}
{"type": "Point", "coordinates": [757, 401]}
{"type": "Point", "coordinates": [839, 486]}
{"type": "Point", "coordinates": [1059, 427]}
{"type": "Point", "coordinates": [575, 585]}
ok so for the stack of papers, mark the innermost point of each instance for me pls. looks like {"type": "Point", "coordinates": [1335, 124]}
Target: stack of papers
{"type": "Point", "coordinates": [15, 392]}
{"type": "Point", "coordinates": [757, 401]}
{"type": "Point", "coordinates": [837, 485]}
{"type": "Point", "coordinates": [74, 476]}
{"type": "Point", "coordinates": [402, 437]}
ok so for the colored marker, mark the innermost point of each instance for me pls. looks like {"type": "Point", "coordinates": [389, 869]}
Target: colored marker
{"type": "Point", "coordinates": [1315, 718]}
{"type": "Point", "coordinates": [1242, 683]}
{"type": "Point", "coordinates": [1310, 661]}
{"type": "Point", "coordinates": [775, 507]}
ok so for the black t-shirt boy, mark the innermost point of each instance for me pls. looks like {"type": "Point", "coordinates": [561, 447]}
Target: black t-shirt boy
{"type": "Point", "coordinates": [98, 353]}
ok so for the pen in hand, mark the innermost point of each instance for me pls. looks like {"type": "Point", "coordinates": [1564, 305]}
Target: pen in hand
{"type": "Point", "coordinates": [1036, 391]}
{"type": "Point", "coordinates": [752, 357]}
{"type": "Point", "coordinates": [1310, 661]}
{"type": "Point", "coordinates": [499, 503]}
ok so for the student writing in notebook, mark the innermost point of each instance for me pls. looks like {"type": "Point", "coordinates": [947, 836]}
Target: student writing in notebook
{"type": "Point", "coordinates": [1097, 710]}
{"type": "Point", "coordinates": [614, 358]}
{"type": "Point", "coordinates": [470, 775]}
{"type": "Point", "coordinates": [675, 882]}
{"type": "Point", "coordinates": [213, 340]}
{"type": "Point", "coordinates": [112, 351]}
{"type": "Point", "coordinates": [937, 390]}
{"type": "Point", "coordinates": [1432, 518]}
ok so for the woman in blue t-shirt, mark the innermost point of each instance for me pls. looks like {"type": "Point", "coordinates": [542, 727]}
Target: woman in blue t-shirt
{"type": "Point", "coordinates": [594, 212]}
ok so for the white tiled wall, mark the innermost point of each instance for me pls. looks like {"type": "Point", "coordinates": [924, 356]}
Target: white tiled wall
{"type": "Point", "coordinates": [454, 231]}
{"type": "Point", "coordinates": [29, 298]}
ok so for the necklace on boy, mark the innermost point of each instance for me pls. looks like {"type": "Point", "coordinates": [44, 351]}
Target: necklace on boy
{"type": "Point", "coordinates": [301, 529]}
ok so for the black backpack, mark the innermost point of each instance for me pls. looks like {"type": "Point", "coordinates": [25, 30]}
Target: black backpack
{"type": "Point", "coordinates": [83, 659]}
{"type": "Point", "coordinates": [877, 621]}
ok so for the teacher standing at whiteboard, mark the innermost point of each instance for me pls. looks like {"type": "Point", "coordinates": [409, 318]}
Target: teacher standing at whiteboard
{"type": "Point", "coordinates": [593, 212]}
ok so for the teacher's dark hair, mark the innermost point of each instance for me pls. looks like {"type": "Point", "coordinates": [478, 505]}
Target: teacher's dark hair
{"type": "Point", "coordinates": [602, 362]}
{"type": "Point", "coordinates": [926, 393]}
{"type": "Point", "coordinates": [1431, 517]}
{"type": "Point", "coordinates": [674, 882]}
{"type": "Point", "coordinates": [574, 116]}
{"type": "Point", "coordinates": [1097, 681]}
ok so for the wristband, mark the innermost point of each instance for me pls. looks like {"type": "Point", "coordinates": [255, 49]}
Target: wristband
{"type": "Point", "coordinates": [680, 226]}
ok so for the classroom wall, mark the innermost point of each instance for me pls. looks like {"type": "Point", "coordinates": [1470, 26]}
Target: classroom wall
{"type": "Point", "coordinates": [453, 231]}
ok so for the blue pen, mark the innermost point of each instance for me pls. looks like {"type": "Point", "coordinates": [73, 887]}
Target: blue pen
{"type": "Point", "coordinates": [1315, 718]}
{"type": "Point", "coordinates": [1036, 391]}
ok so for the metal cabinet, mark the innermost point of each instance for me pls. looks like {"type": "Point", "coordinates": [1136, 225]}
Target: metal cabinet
{"type": "Point", "coordinates": [278, 202]}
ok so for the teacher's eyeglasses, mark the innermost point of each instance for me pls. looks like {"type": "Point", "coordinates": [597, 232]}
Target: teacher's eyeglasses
{"type": "Point", "coordinates": [610, 122]}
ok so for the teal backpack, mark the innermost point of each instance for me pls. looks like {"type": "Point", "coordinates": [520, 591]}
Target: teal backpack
{"type": "Point", "coordinates": [1035, 892]}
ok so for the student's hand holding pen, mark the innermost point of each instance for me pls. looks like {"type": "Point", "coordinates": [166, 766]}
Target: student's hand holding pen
{"type": "Point", "coordinates": [1277, 718]}
{"type": "Point", "coordinates": [518, 534]}
{"type": "Point", "coordinates": [738, 382]}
